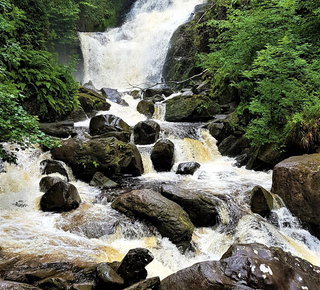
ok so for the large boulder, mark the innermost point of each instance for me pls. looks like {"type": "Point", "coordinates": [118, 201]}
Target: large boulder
{"type": "Point", "coordinates": [146, 132]}
{"type": "Point", "coordinates": [261, 201]}
{"type": "Point", "coordinates": [169, 217]}
{"type": "Point", "coordinates": [162, 155]}
{"type": "Point", "coordinates": [146, 107]}
{"type": "Point", "coordinates": [190, 108]}
{"type": "Point", "coordinates": [62, 129]}
{"type": "Point", "coordinates": [114, 96]}
{"type": "Point", "coordinates": [110, 126]}
{"type": "Point", "coordinates": [297, 181]}
{"type": "Point", "coordinates": [49, 166]}
{"type": "Point", "coordinates": [61, 196]}
{"type": "Point", "coordinates": [201, 207]}
{"type": "Point", "coordinates": [245, 267]}
{"type": "Point", "coordinates": [110, 156]}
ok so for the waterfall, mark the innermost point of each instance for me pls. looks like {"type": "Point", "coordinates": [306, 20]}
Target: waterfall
{"type": "Point", "coordinates": [134, 54]}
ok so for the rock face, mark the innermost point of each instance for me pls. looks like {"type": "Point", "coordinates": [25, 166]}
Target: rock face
{"type": "Point", "coordinates": [110, 156]}
{"type": "Point", "coordinates": [110, 126]}
{"type": "Point", "coordinates": [202, 208]}
{"type": "Point", "coordinates": [190, 109]}
{"type": "Point", "coordinates": [249, 266]}
{"type": "Point", "coordinates": [61, 196]}
{"type": "Point", "coordinates": [297, 181]}
{"type": "Point", "coordinates": [170, 219]}
{"type": "Point", "coordinates": [162, 155]}
{"type": "Point", "coordinates": [146, 132]}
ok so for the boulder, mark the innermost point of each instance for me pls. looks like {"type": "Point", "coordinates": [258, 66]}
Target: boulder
{"type": "Point", "coordinates": [49, 166]}
{"type": "Point", "coordinates": [170, 219]}
{"type": "Point", "coordinates": [261, 201]}
{"type": "Point", "coordinates": [146, 132]}
{"type": "Point", "coordinates": [201, 207]}
{"type": "Point", "coordinates": [297, 181]}
{"type": "Point", "coordinates": [152, 93]}
{"type": "Point", "coordinates": [188, 168]}
{"type": "Point", "coordinates": [132, 267]}
{"type": "Point", "coordinates": [62, 129]}
{"type": "Point", "coordinates": [233, 146]}
{"type": "Point", "coordinates": [47, 181]}
{"type": "Point", "coordinates": [114, 96]}
{"type": "Point", "coordinates": [162, 155]}
{"type": "Point", "coordinates": [91, 101]}
{"type": "Point", "coordinates": [109, 156]}
{"type": "Point", "coordinates": [61, 196]}
{"type": "Point", "coordinates": [146, 107]}
{"type": "Point", "coordinates": [100, 180]}
{"type": "Point", "coordinates": [190, 108]}
{"type": "Point", "coordinates": [2, 166]}
{"type": "Point", "coordinates": [247, 266]}
{"type": "Point", "coordinates": [107, 278]}
{"type": "Point", "coordinates": [110, 126]}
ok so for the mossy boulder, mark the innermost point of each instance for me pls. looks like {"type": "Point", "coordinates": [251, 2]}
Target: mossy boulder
{"type": "Point", "coordinates": [86, 156]}
{"type": "Point", "coordinates": [190, 108]}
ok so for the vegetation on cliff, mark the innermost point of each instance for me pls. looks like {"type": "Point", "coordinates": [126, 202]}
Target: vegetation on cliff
{"type": "Point", "coordinates": [268, 53]}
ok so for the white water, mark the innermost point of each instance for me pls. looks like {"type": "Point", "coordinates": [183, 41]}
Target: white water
{"type": "Point", "coordinates": [95, 232]}
{"type": "Point", "coordinates": [134, 54]}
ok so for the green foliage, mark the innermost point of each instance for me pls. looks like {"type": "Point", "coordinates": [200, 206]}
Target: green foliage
{"type": "Point", "coordinates": [259, 48]}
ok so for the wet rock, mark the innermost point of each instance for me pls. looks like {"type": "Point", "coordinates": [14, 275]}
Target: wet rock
{"type": "Point", "coordinates": [190, 108]}
{"type": "Point", "coordinates": [53, 283]}
{"type": "Point", "coordinates": [9, 285]}
{"type": "Point", "coordinates": [61, 129]}
{"type": "Point", "coordinates": [110, 126]}
{"type": "Point", "coordinates": [92, 101]}
{"type": "Point", "coordinates": [49, 166]}
{"type": "Point", "coordinates": [148, 284]}
{"type": "Point", "coordinates": [247, 266]}
{"type": "Point", "coordinates": [61, 196]}
{"type": "Point", "coordinates": [188, 168]}
{"type": "Point", "coordinates": [132, 267]}
{"type": "Point", "coordinates": [151, 93]}
{"type": "Point", "coordinates": [82, 286]}
{"type": "Point", "coordinates": [170, 219]}
{"type": "Point", "coordinates": [201, 207]}
{"type": "Point", "coordinates": [233, 146]}
{"type": "Point", "coordinates": [162, 155]}
{"type": "Point", "coordinates": [107, 277]}
{"type": "Point", "coordinates": [100, 180]}
{"type": "Point", "coordinates": [146, 132]}
{"type": "Point", "coordinates": [47, 181]}
{"type": "Point", "coordinates": [2, 166]}
{"type": "Point", "coordinates": [86, 156]}
{"type": "Point", "coordinates": [261, 201]}
{"type": "Point", "coordinates": [146, 107]}
{"type": "Point", "coordinates": [297, 181]}
{"type": "Point", "coordinates": [114, 96]}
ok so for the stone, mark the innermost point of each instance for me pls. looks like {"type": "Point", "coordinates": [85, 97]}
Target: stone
{"type": "Point", "coordinates": [55, 283]}
{"type": "Point", "coordinates": [146, 132]}
{"type": "Point", "coordinates": [10, 285]}
{"type": "Point", "coordinates": [261, 201]}
{"type": "Point", "coordinates": [49, 166]}
{"type": "Point", "coordinates": [86, 156]}
{"type": "Point", "coordinates": [188, 168]}
{"type": "Point", "coordinates": [107, 277]}
{"type": "Point", "coordinates": [147, 284]}
{"type": "Point", "coordinates": [132, 267]}
{"type": "Point", "coordinates": [114, 96]}
{"type": "Point", "coordinates": [169, 217]}
{"type": "Point", "coordinates": [146, 107]}
{"type": "Point", "coordinates": [102, 181]}
{"type": "Point", "coordinates": [202, 208]}
{"type": "Point", "coordinates": [47, 181]}
{"type": "Point", "coordinates": [61, 196]}
{"type": "Point", "coordinates": [162, 155]}
{"type": "Point", "coordinates": [297, 181]}
{"type": "Point", "coordinates": [110, 126]}
{"type": "Point", "coordinates": [62, 129]}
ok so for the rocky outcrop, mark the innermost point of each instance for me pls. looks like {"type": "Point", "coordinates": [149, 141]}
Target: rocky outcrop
{"type": "Point", "coordinates": [146, 132]}
{"type": "Point", "coordinates": [202, 208]}
{"type": "Point", "coordinates": [169, 218]}
{"type": "Point", "coordinates": [110, 126]}
{"type": "Point", "coordinates": [186, 108]}
{"type": "Point", "coordinates": [61, 196]}
{"type": "Point", "coordinates": [297, 181]}
{"type": "Point", "coordinates": [247, 266]}
{"type": "Point", "coordinates": [162, 155]}
{"type": "Point", "coordinates": [86, 156]}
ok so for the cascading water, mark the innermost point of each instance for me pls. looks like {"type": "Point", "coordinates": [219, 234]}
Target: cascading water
{"type": "Point", "coordinates": [95, 232]}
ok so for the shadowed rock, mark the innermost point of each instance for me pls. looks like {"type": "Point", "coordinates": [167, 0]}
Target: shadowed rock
{"type": "Point", "coordinates": [188, 168]}
{"type": "Point", "coordinates": [162, 155]}
{"type": "Point", "coordinates": [146, 132]}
